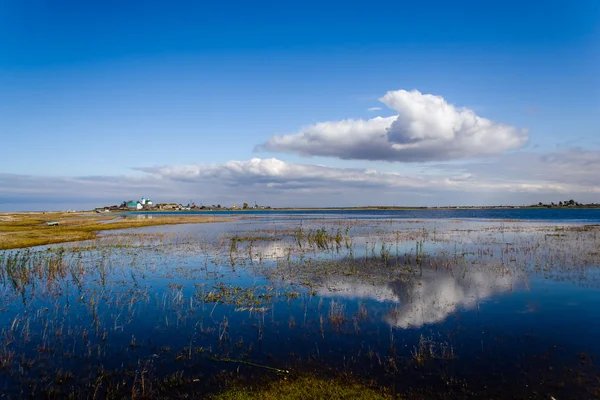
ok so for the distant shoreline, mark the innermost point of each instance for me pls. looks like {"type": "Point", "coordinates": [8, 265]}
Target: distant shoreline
{"type": "Point", "coordinates": [271, 209]}
{"type": "Point", "coordinates": [365, 208]}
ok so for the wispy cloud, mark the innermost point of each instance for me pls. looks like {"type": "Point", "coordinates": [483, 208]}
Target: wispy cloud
{"type": "Point", "coordinates": [531, 110]}
{"type": "Point", "coordinates": [374, 109]}
{"type": "Point", "coordinates": [427, 128]}
{"type": "Point", "coordinates": [570, 169]}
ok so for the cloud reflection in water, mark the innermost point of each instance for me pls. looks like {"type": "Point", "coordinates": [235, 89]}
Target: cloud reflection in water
{"type": "Point", "coordinates": [428, 299]}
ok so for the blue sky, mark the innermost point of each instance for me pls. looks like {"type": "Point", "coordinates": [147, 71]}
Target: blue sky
{"type": "Point", "coordinates": [135, 95]}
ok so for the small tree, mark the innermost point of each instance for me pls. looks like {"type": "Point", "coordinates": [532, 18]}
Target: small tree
{"type": "Point", "coordinates": [245, 206]}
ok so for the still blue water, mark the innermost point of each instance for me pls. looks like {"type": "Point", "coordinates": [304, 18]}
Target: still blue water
{"type": "Point", "coordinates": [499, 307]}
{"type": "Point", "coordinates": [588, 215]}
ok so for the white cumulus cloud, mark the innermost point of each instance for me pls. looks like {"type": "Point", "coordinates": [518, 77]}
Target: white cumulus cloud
{"type": "Point", "coordinates": [426, 128]}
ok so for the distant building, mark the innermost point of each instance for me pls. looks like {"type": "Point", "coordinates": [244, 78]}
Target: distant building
{"type": "Point", "coordinates": [167, 206]}
{"type": "Point", "coordinates": [135, 204]}
{"type": "Point", "coordinates": [146, 202]}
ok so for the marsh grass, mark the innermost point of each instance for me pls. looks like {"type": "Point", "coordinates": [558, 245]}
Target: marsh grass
{"type": "Point", "coordinates": [21, 230]}
{"type": "Point", "coordinates": [429, 349]}
{"type": "Point", "coordinates": [305, 388]}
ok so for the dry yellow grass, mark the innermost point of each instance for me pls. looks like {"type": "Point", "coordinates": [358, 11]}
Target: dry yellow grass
{"type": "Point", "coordinates": [18, 230]}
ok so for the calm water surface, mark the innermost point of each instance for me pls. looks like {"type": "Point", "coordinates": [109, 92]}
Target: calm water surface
{"type": "Point", "coordinates": [589, 215]}
{"type": "Point", "coordinates": [473, 303]}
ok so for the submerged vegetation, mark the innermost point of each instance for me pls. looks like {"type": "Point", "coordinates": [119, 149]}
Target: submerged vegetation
{"type": "Point", "coordinates": [256, 310]}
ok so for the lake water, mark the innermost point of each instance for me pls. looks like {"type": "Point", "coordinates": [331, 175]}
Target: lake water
{"type": "Point", "coordinates": [477, 303]}
{"type": "Point", "coordinates": [590, 215]}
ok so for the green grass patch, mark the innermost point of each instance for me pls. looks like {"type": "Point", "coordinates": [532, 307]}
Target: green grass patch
{"type": "Point", "coordinates": [303, 388]}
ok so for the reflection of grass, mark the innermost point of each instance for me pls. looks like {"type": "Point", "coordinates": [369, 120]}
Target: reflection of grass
{"type": "Point", "coordinates": [307, 387]}
{"type": "Point", "coordinates": [29, 229]}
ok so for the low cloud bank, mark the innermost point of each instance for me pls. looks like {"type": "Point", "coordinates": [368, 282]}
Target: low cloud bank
{"type": "Point", "coordinates": [520, 178]}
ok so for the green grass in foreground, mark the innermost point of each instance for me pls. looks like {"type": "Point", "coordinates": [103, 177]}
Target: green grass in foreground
{"type": "Point", "coordinates": [305, 388]}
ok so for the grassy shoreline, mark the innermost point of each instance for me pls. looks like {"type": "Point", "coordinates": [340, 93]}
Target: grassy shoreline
{"type": "Point", "coordinates": [20, 230]}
